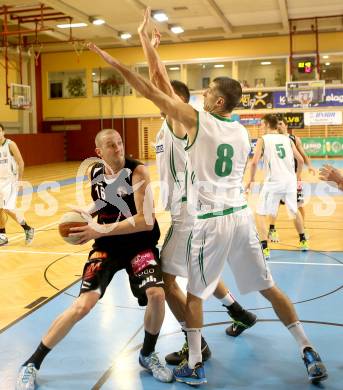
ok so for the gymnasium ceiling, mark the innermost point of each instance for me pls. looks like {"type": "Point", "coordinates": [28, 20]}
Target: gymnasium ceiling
{"type": "Point", "coordinates": [200, 19]}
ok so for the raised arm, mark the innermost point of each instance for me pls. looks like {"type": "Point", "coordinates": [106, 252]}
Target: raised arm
{"type": "Point", "coordinates": [176, 110]}
{"type": "Point", "coordinates": [157, 70]}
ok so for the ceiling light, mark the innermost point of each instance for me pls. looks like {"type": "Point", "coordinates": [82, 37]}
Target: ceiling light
{"type": "Point", "coordinates": [266, 63]}
{"type": "Point", "coordinates": [98, 22]}
{"type": "Point", "coordinates": [219, 65]}
{"type": "Point", "coordinates": [327, 63]}
{"type": "Point", "coordinates": [325, 57]}
{"type": "Point", "coordinates": [125, 36]}
{"type": "Point", "coordinates": [93, 73]}
{"type": "Point", "coordinates": [160, 16]}
{"type": "Point", "coordinates": [177, 29]}
{"type": "Point", "coordinates": [72, 25]}
{"type": "Point", "coordinates": [174, 68]}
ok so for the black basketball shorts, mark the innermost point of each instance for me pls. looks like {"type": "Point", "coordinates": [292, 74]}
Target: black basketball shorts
{"type": "Point", "coordinates": [144, 271]}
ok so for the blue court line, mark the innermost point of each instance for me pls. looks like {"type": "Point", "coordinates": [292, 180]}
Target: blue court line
{"type": "Point", "coordinates": [52, 184]}
{"type": "Point", "coordinates": [320, 188]}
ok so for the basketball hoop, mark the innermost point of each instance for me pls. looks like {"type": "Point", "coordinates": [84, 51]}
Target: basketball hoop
{"type": "Point", "coordinates": [79, 47]}
{"type": "Point", "coordinates": [305, 98]}
{"type": "Point", "coordinates": [36, 52]}
{"type": "Point", "coordinates": [20, 97]}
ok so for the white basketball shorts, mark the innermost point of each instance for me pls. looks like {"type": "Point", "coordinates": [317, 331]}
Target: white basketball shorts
{"type": "Point", "coordinates": [270, 197]}
{"type": "Point", "coordinates": [232, 238]}
{"type": "Point", "coordinates": [174, 249]}
{"type": "Point", "coordinates": [8, 193]}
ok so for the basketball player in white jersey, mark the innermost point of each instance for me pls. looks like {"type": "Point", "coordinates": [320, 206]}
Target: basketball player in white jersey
{"type": "Point", "coordinates": [283, 129]}
{"type": "Point", "coordinates": [280, 182]}
{"type": "Point", "coordinates": [11, 171]}
{"type": "Point", "coordinates": [218, 149]}
{"type": "Point", "coordinates": [172, 167]}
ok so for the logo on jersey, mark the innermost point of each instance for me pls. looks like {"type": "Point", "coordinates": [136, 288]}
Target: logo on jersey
{"type": "Point", "coordinates": [159, 148]}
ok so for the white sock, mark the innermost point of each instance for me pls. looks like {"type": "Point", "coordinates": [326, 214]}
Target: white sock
{"type": "Point", "coordinates": [298, 333]}
{"type": "Point", "coordinates": [194, 344]}
{"type": "Point", "coordinates": [228, 300]}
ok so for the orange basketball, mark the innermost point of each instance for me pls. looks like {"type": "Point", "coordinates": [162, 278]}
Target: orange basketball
{"type": "Point", "coordinates": [69, 220]}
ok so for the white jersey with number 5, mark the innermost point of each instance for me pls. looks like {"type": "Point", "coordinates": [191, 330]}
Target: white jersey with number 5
{"type": "Point", "coordinates": [218, 157]}
{"type": "Point", "coordinates": [278, 159]}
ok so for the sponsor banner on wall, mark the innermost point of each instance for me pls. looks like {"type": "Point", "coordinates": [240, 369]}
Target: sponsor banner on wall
{"type": "Point", "coordinates": [323, 118]}
{"type": "Point", "coordinates": [334, 146]}
{"type": "Point", "coordinates": [320, 147]}
{"type": "Point", "coordinates": [333, 97]}
{"type": "Point", "coordinates": [314, 146]}
{"type": "Point", "coordinates": [295, 120]}
{"type": "Point", "coordinates": [256, 100]}
{"type": "Point", "coordinates": [250, 119]}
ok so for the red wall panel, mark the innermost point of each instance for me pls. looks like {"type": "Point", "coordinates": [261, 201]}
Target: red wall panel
{"type": "Point", "coordinates": [80, 143]}
{"type": "Point", "coordinates": [40, 148]}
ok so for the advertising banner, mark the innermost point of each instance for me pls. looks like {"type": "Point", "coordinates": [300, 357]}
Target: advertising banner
{"type": "Point", "coordinates": [323, 118]}
{"type": "Point", "coordinates": [320, 147]}
{"type": "Point", "coordinates": [256, 100]}
{"type": "Point", "coordinates": [333, 97]}
{"type": "Point", "coordinates": [250, 119]}
{"type": "Point", "coordinates": [295, 120]}
{"type": "Point", "coordinates": [314, 146]}
{"type": "Point", "coordinates": [334, 146]}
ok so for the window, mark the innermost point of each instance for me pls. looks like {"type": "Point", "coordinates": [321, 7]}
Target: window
{"type": "Point", "coordinates": [67, 84]}
{"type": "Point", "coordinates": [331, 68]}
{"type": "Point", "coordinates": [262, 73]}
{"type": "Point", "coordinates": [174, 71]}
{"type": "Point", "coordinates": [200, 75]}
{"type": "Point", "coordinates": [108, 82]}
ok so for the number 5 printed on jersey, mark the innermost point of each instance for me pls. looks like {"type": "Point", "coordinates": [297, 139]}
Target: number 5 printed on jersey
{"type": "Point", "coordinates": [280, 150]}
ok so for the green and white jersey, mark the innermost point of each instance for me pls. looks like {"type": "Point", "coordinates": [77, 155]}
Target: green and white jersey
{"type": "Point", "coordinates": [278, 159]}
{"type": "Point", "coordinates": [217, 158]}
{"type": "Point", "coordinates": [171, 163]}
{"type": "Point", "coordinates": [8, 166]}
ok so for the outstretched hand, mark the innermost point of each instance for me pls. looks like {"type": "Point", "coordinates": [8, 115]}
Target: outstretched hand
{"type": "Point", "coordinates": [155, 38]}
{"type": "Point", "coordinates": [102, 53]}
{"type": "Point", "coordinates": [331, 175]}
{"type": "Point", "coordinates": [143, 27]}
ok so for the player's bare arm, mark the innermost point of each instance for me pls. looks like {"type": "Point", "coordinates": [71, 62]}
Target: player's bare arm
{"type": "Point", "coordinates": [299, 159]}
{"type": "Point", "coordinates": [306, 158]}
{"type": "Point", "coordinates": [179, 111]}
{"type": "Point", "coordinates": [254, 162]}
{"type": "Point", "coordinates": [18, 159]}
{"type": "Point", "coordinates": [157, 70]}
{"type": "Point", "coordinates": [143, 220]}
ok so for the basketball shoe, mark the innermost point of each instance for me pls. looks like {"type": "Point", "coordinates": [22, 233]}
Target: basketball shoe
{"type": "Point", "coordinates": [158, 370]}
{"type": "Point", "coordinates": [191, 376]}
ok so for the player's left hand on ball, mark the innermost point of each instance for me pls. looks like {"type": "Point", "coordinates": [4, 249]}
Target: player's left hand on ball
{"type": "Point", "coordinates": [86, 233]}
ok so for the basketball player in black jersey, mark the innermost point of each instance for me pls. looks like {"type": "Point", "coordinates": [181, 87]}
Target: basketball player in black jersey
{"type": "Point", "coordinates": [126, 235]}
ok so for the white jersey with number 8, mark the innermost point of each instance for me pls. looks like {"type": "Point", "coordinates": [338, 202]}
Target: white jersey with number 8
{"type": "Point", "coordinates": [218, 157]}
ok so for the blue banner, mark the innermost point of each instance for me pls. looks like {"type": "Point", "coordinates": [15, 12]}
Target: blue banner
{"type": "Point", "coordinates": [333, 97]}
